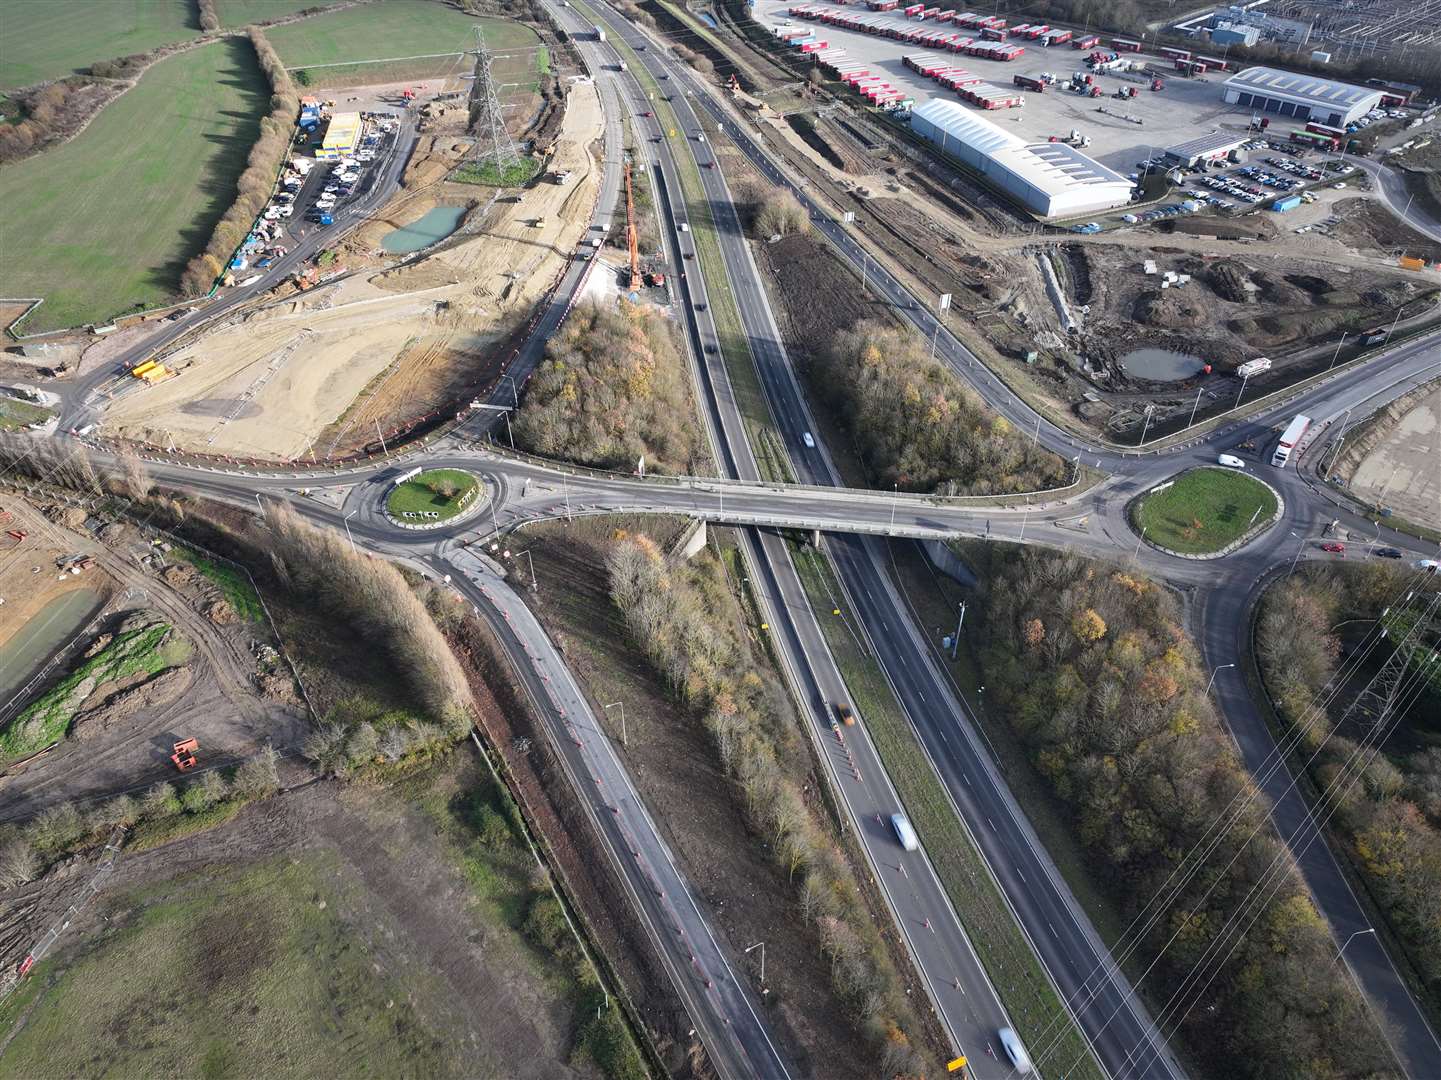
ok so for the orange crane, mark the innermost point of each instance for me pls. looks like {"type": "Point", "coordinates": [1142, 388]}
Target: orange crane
{"type": "Point", "coordinates": [635, 281]}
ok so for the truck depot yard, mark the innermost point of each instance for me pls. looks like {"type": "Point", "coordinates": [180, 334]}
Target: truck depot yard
{"type": "Point", "coordinates": [104, 224]}
{"type": "Point", "coordinates": [1185, 109]}
{"type": "Point", "coordinates": [398, 39]}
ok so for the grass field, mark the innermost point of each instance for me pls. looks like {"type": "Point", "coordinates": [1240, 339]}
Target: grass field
{"type": "Point", "coordinates": [46, 39]}
{"type": "Point", "coordinates": [418, 495]}
{"type": "Point", "coordinates": [107, 221]}
{"type": "Point", "coordinates": [1204, 510]}
{"type": "Point", "coordinates": [486, 173]}
{"type": "Point", "coordinates": [225, 974]}
{"type": "Point", "coordinates": [394, 29]}
{"type": "Point", "coordinates": [16, 415]}
{"type": "Point", "coordinates": [241, 12]}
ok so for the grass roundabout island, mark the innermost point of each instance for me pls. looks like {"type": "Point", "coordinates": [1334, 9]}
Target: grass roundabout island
{"type": "Point", "coordinates": [1204, 511]}
{"type": "Point", "coordinates": [433, 496]}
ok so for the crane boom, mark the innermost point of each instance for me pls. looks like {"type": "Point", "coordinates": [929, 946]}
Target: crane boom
{"type": "Point", "coordinates": [630, 235]}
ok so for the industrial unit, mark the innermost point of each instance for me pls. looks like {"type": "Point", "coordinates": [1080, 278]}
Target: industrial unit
{"type": "Point", "coordinates": [341, 137]}
{"type": "Point", "coordinates": [1305, 97]}
{"type": "Point", "coordinates": [1051, 179]}
{"type": "Point", "coordinates": [1216, 146]}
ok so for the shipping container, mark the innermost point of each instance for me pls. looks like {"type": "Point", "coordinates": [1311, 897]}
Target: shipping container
{"type": "Point", "coordinates": [1026, 82]}
{"type": "Point", "coordinates": [1326, 129]}
{"type": "Point", "coordinates": [1176, 54]}
{"type": "Point", "coordinates": [1213, 63]}
{"type": "Point", "coordinates": [1290, 202]}
{"type": "Point", "coordinates": [1018, 31]}
{"type": "Point", "coordinates": [1123, 45]}
{"type": "Point", "coordinates": [1090, 41]}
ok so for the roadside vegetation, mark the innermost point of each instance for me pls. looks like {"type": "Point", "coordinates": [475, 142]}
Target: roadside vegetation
{"type": "Point", "coordinates": [103, 224]}
{"type": "Point", "coordinates": [780, 213]}
{"type": "Point", "coordinates": [1317, 643]}
{"type": "Point", "coordinates": [916, 425]}
{"type": "Point", "coordinates": [1204, 510]}
{"type": "Point", "coordinates": [677, 613]}
{"type": "Point", "coordinates": [234, 585]}
{"type": "Point", "coordinates": [613, 388]}
{"type": "Point", "coordinates": [1092, 668]}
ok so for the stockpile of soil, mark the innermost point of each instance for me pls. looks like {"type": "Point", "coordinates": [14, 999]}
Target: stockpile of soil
{"type": "Point", "coordinates": [1228, 278]}
{"type": "Point", "coordinates": [1172, 308]}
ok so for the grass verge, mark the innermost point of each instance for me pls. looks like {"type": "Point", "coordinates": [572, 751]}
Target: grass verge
{"type": "Point", "coordinates": [1203, 510]}
{"type": "Point", "coordinates": [18, 415]}
{"type": "Point", "coordinates": [1014, 969]}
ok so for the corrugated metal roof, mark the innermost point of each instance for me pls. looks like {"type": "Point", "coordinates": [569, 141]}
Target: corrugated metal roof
{"type": "Point", "coordinates": [968, 127]}
{"type": "Point", "coordinates": [1305, 88]}
{"type": "Point", "coordinates": [1213, 143]}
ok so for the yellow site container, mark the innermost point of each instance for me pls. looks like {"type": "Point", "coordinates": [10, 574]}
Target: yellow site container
{"type": "Point", "coordinates": [139, 370]}
{"type": "Point", "coordinates": [1410, 263]}
{"type": "Point", "coordinates": [156, 374]}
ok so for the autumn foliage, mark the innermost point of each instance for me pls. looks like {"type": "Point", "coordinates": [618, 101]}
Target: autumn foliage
{"type": "Point", "coordinates": [917, 425]}
{"type": "Point", "coordinates": [613, 387]}
{"type": "Point", "coordinates": [1104, 687]}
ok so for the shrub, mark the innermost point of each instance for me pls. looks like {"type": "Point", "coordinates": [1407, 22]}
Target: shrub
{"type": "Point", "coordinates": [781, 213]}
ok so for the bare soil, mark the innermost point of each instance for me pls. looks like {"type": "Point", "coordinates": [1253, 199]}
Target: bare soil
{"type": "Point", "coordinates": [1367, 224]}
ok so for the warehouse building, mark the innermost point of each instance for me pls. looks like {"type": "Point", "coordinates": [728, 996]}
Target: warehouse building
{"type": "Point", "coordinates": [1305, 97]}
{"type": "Point", "coordinates": [1216, 146]}
{"type": "Point", "coordinates": [342, 136]}
{"type": "Point", "coordinates": [1052, 180]}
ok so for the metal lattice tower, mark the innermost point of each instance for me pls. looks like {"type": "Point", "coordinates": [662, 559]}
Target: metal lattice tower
{"type": "Point", "coordinates": [493, 142]}
{"type": "Point", "coordinates": [1376, 705]}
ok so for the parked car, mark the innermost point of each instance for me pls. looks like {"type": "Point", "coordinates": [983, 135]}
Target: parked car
{"type": "Point", "coordinates": [1388, 553]}
{"type": "Point", "coordinates": [1334, 548]}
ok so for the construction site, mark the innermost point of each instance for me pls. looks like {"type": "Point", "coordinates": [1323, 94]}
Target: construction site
{"type": "Point", "coordinates": [372, 337]}
{"type": "Point", "coordinates": [1057, 317]}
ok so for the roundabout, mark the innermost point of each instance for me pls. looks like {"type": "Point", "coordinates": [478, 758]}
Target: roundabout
{"type": "Point", "coordinates": [1205, 512]}
{"type": "Point", "coordinates": [430, 498]}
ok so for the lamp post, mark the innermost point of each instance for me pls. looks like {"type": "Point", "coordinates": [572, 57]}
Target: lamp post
{"type": "Point", "coordinates": [761, 945]}
{"type": "Point", "coordinates": [623, 740]}
{"type": "Point", "coordinates": [1137, 553]}
{"type": "Point", "coordinates": [1194, 406]}
{"type": "Point", "coordinates": [348, 534]}
{"type": "Point", "coordinates": [1299, 548]}
{"type": "Point", "coordinates": [1353, 937]}
{"type": "Point", "coordinates": [1241, 392]}
{"type": "Point", "coordinates": [514, 394]}
{"type": "Point", "coordinates": [1213, 677]}
{"type": "Point", "coordinates": [1335, 355]}
{"type": "Point", "coordinates": [895, 498]}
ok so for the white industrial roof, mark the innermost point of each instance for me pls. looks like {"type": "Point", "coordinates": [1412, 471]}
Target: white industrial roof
{"type": "Point", "coordinates": [1304, 88]}
{"type": "Point", "coordinates": [1050, 167]}
{"type": "Point", "coordinates": [967, 127]}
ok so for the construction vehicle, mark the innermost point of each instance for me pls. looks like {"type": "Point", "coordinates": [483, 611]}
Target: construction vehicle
{"type": "Point", "coordinates": [184, 756]}
{"type": "Point", "coordinates": [733, 84]}
{"type": "Point", "coordinates": [630, 236]}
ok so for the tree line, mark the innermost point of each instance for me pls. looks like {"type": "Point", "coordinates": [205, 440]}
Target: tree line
{"type": "Point", "coordinates": [1091, 666]}
{"type": "Point", "coordinates": [683, 616]}
{"type": "Point", "coordinates": [613, 387]}
{"type": "Point", "coordinates": [916, 425]}
{"type": "Point", "coordinates": [257, 182]}
{"type": "Point", "coordinates": [1386, 800]}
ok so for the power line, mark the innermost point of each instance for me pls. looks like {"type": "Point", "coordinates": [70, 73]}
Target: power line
{"type": "Point", "coordinates": [493, 142]}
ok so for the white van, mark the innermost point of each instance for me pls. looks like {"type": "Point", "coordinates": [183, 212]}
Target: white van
{"type": "Point", "coordinates": [806, 438]}
{"type": "Point", "coordinates": [1231, 461]}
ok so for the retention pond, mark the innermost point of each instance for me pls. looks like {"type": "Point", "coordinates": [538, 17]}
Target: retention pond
{"type": "Point", "coordinates": [1161, 365]}
{"type": "Point", "coordinates": [437, 224]}
{"type": "Point", "coordinates": [49, 629]}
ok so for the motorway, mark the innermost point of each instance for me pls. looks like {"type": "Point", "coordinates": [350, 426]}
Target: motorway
{"type": "Point", "coordinates": [1092, 522]}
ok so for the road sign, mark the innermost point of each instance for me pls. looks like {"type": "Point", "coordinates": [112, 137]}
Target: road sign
{"type": "Point", "coordinates": [944, 303]}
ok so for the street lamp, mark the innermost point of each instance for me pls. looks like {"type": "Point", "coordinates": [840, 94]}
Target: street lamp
{"type": "Point", "coordinates": [1213, 678]}
{"type": "Point", "coordinates": [1299, 548]}
{"type": "Point", "coordinates": [348, 534]}
{"type": "Point", "coordinates": [761, 945]}
{"type": "Point", "coordinates": [626, 744]}
{"type": "Point", "coordinates": [1353, 937]}
{"type": "Point", "coordinates": [534, 585]}
{"type": "Point", "coordinates": [1335, 355]}
{"type": "Point", "coordinates": [895, 498]}
{"type": "Point", "coordinates": [514, 396]}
